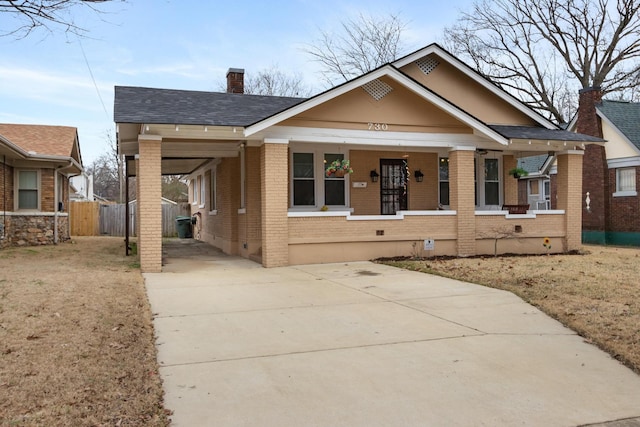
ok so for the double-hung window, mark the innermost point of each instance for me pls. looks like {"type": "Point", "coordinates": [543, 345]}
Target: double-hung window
{"type": "Point", "coordinates": [443, 168]}
{"type": "Point", "coordinates": [28, 189]}
{"type": "Point", "coordinates": [312, 186]}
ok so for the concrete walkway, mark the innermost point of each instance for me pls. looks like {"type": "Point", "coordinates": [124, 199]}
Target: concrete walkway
{"type": "Point", "coordinates": [362, 344]}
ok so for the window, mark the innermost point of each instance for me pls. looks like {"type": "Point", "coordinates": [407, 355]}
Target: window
{"type": "Point", "coordinates": [443, 167]}
{"type": "Point", "coordinates": [491, 182]}
{"type": "Point", "coordinates": [203, 191]}
{"type": "Point", "coordinates": [196, 190]}
{"type": "Point", "coordinates": [625, 182]}
{"type": "Point", "coordinates": [28, 189]}
{"type": "Point", "coordinates": [303, 180]}
{"type": "Point", "coordinates": [212, 191]}
{"type": "Point", "coordinates": [333, 185]}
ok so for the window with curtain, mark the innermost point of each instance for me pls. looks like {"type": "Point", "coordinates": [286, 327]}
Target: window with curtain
{"type": "Point", "coordinates": [28, 190]}
{"type": "Point", "coordinates": [625, 179]}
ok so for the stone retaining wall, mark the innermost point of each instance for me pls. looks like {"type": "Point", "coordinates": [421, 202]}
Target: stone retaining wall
{"type": "Point", "coordinates": [33, 230]}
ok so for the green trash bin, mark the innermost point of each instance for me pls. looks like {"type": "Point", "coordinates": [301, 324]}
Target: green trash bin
{"type": "Point", "coordinates": [183, 227]}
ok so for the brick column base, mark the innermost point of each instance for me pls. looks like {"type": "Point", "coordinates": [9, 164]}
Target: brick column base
{"type": "Point", "coordinates": [462, 199]}
{"type": "Point", "coordinates": [149, 198]}
{"type": "Point", "coordinates": [569, 180]}
{"type": "Point", "coordinates": [274, 158]}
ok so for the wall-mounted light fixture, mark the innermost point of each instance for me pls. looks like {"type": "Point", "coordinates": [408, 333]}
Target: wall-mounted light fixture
{"type": "Point", "coordinates": [419, 175]}
{"type": "Point", "coordinates": [374, 176]}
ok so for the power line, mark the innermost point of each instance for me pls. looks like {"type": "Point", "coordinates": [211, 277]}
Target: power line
{"type": "Point", "coordinates": [86, 61]}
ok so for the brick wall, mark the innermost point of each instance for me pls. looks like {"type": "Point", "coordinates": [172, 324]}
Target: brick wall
{"type": "Point", "coordinates": [510, 183]}
{"type": "Point", "coordinates": [149, 204]}
{"type": "Point", "coordinates": [462, 198]}
{"type": "Point", "coordinates": [275, 249]}
{"type": "Point", "coordinates": [570, 196]}
{"type": "Point", "coordinates": [6, 187]}
{"type": "Point", "coordinates": [594, 176]}
{"type": "Point", "coordinates": [47, 187]}
{"type": "Point", "coordinates": [624, 214]}
{"type": "Point", "coordinates": [422, 195]}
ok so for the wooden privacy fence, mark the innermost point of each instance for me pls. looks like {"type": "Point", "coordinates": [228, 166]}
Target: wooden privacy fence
{"type": "Point", "coordinates": [109, 220]}
{"type": "Point", "coordinates": [85, 218]}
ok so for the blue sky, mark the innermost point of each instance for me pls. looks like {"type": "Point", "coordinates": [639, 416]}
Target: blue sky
{"type": "Point", "coordinates": [178, 44]}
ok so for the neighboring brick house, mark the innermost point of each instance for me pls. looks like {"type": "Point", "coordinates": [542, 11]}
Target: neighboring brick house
{"type": "Point", "coordinates": [611, 173]}
{"type": "Point", "coordinates": [35, 165]}
{"type": "Point", "coordinates": [430, 142]}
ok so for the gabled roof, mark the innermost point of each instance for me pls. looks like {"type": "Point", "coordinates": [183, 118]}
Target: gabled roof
{"type": "Point", "coordinates": [187, 107]}
{"type": "Point", "coordinates": [434, 48]}
{"type": "Point", "coordinates": [40, 139]}
{"type": "Point", "coordinates": [535, 164]}
{"type": "Point", "coordinates": [625, 116]}
{"type": "Point", "coordinates": [385, 70]}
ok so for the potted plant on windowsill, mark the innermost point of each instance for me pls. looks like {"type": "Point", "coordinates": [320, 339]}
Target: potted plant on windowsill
{"type": "Point", "coordinates": [518, 172]}
{"type": "Point", "coordinates": [339, 168]}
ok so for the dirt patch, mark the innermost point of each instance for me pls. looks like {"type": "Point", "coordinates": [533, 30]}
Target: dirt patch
{"type": "Point", "coordinates": [597, 293]}
{"type": "Point", "coordinates": [76, 338]}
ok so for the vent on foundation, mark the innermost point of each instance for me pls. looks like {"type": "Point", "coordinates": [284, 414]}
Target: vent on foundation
{"type": "Point", "coordinates": [377, 89]}
{"type": "Point", "coordinates": [427, 64]}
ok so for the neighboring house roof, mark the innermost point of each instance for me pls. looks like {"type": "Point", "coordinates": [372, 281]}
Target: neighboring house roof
{"type": "Point", "coordinates": [169, 106]}
{"type": "Point", "coordinates": [40, 139]}
{"type": "Point", "coordinates": [625, 116]}
{"type": "Point", "coordinates": [529, 132]}
{"type": "Point", "coordinates": [534, 164]}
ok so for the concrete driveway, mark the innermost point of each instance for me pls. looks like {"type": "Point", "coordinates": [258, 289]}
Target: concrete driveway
{"type": "Point", "coordinates": [362, 344]}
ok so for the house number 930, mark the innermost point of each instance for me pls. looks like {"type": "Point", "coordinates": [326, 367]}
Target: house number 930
{"type": "Point", "coordinates": [378, 126]}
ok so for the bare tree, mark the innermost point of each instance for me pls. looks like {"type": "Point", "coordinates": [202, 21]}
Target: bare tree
{"type": "Point", "coordinates": [542, 51]}
{"type": "Point", "coordinates": [106, 171]}
{"type": "Point", "coordinates": [30, 15]}
{"type": "Point", "coordinates": [273, 81]}
{"type": "Point", "coordinates": [363, 45]}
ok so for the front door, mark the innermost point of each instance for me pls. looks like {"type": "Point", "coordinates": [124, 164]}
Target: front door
{"type": "Point", "coordinates": [393, 186]}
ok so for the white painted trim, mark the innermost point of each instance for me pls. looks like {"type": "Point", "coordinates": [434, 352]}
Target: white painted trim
{"type": "Point", "coordinates": [462, 148]}
{"type": "Point", "coordinates": [214, 212]}
{"type": "Point", "coordinates": [33, 213]}
{"type": "Point", "coordinates": [579, 152]}
{"type": "Point", "coordinates": [375, 138]}
{"type": "Point", "coordinates": [276, 141]}
{"type": "Point", "coordinates": [147, 137]}
{"type": "Point", "coordinates": [316, 213]}
{"type": "Point", "coordinates": [625, 162]}
{"type": "Point", "coordinates": [242, 211]}
{"type": "Point", "coordinates": [392, 72]}
{"type": "Point", "coordinates": [625, 194]}
{"type": "Point", "coordinates": [531, 214]}
{"type": "Point", "coordinates": [465, 69]}
{"type": "Point", "coordinates": [398, 216]}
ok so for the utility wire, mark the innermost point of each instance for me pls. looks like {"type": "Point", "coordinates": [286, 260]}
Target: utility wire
{"type": "Point", "coordinates": [86, 61]}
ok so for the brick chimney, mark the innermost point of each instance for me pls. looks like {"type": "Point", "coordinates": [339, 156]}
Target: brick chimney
{"type": "Point", "coordinates": [235, 80]}
{"type": "Point", "coordinates": [595, 172]}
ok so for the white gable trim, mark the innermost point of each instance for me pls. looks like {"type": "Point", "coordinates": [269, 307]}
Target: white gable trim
{"type": "Point", "coordinates": [475, 76]}
{"type": "Point", "coordinates": [387, 70]}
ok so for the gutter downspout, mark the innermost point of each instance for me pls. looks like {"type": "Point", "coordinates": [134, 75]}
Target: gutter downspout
{"type": "Point", "coordinates": [56, 201]}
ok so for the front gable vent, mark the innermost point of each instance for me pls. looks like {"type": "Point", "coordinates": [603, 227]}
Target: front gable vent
{"type": "Point", "coordinates": [377, 89]}
{"type": "Point", "coordinates": [427, 64]}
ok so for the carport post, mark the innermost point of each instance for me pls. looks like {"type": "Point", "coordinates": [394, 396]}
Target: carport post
{"type": "Point", "coordinates": [570, 195]}
{"type": "Point", "coordinates": [149, 195]}
{"type": "Point", "coordinates": [274, 156]}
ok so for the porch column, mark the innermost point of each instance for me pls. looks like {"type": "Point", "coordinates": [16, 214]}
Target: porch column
{"type": "Point", "coordinates": [462, 197]}
{"type": "Point", "coordinates": [274, 160]}
{"type": "Point", "coordinates": [149, 197]}
{"type": "Point", "coordinates": [510, 183]}
{"type": "Point", "coordinates": [569, 192]}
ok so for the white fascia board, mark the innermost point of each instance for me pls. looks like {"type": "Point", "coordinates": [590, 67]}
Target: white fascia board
{"type": "Point", "coordinates": [475, 76]}
{"type": "Point", "coordinates": [475, 124]}
{"type": "Point", "coordinates": [626, 162]}
{"type": "Point", "coordinates": [373, 138]}
{"type": "Point", "coordinates": [618, 132]}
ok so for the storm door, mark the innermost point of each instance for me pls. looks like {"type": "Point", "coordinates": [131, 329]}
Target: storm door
{"type": "Point", "coordinates": [393, 186]}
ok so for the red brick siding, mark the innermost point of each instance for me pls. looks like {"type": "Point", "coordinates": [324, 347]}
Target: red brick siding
{"type": "Point", "coordinates": [624, 214]}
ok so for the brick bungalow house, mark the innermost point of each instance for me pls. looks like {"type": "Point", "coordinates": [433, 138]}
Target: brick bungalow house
{"type": "Point", "coordinates": [429, 140]}
{"type": "Point", "coordinates": [611, 173]}
{"type": "Point", "coordinates": [36, 163]}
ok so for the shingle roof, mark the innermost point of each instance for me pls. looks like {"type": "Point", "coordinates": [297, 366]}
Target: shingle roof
{"type": "Point", "coordinates": [41, 139]}
{"type": "Point", "coordinates": [533, 164]}
{"type": "Point", "coordinates": [530, 132]}
{"type": "Point", "coordinates": [625, 116]}
{"type": "Point", "coordinates": [168, 106]}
